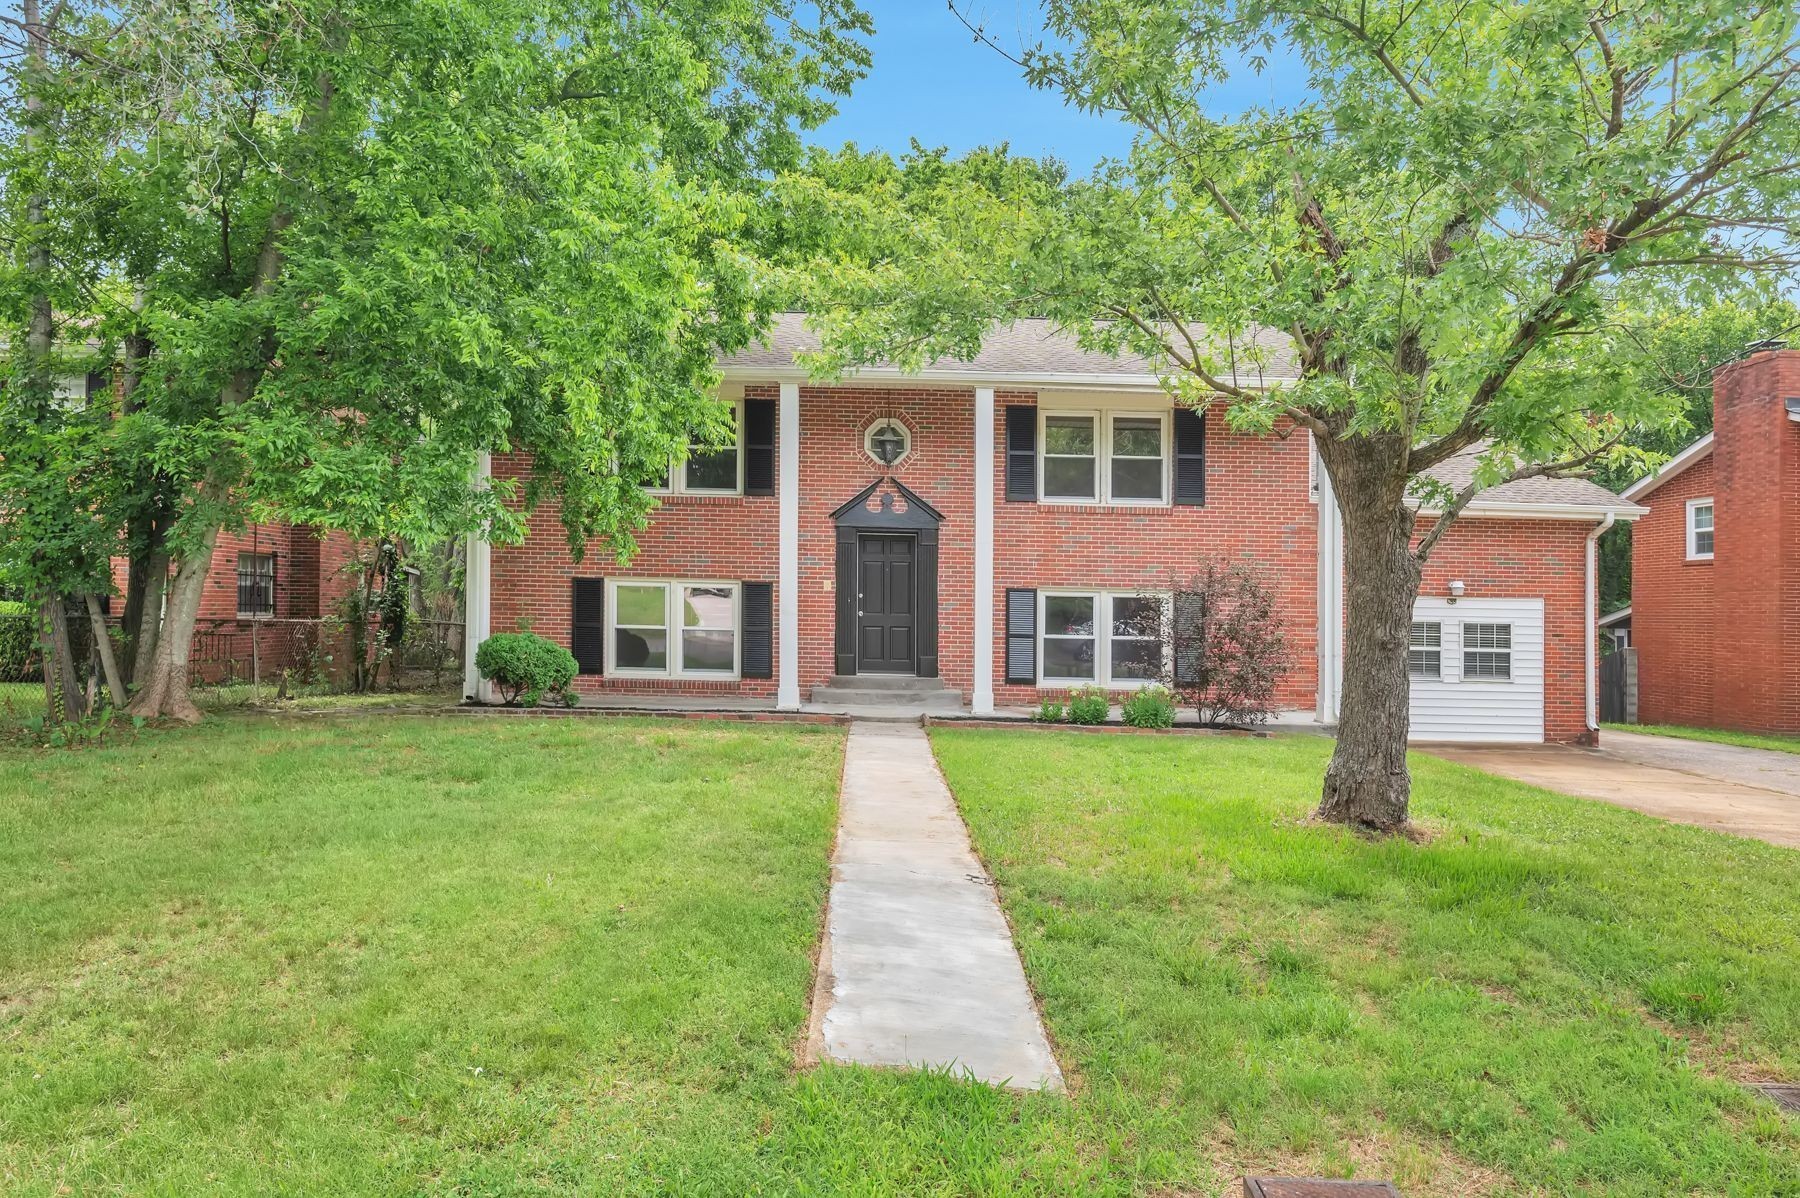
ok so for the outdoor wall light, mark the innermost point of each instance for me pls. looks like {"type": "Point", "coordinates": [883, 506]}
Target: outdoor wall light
{"type": "Point", "coordinates": [1456, 590]}
{"type": "Point", "coordinates": [887, 441]}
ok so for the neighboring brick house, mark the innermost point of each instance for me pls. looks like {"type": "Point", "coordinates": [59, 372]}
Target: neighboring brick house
{"type": "Point", "coordinates": [276, 580]}
{"type": "Point", "coordinates": [1715, 565]}
{"type": "Point", "coordinates": [998, 525]}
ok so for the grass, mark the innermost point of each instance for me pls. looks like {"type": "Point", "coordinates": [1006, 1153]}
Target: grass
{"type": "Point", "coordinates": [1552, 995]}
{"type": "Point", "coordinates": [21, 701]}
{"type": "Point", "coordinates": [379, 956]}
{"type": "Point", "coordinates": [511, 955]}
{"type": "Point", "coordinates": [1718, 736]}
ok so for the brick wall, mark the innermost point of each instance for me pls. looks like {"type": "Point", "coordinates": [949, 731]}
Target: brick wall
{"type": "Point", "coordinates": [1673, 607]}
{"type": "Point", "coordinates": [1505, 559]}
{"type": "Point", "coordinates": [1719, 642]}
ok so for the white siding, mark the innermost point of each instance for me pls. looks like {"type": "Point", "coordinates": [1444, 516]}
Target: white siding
{"type": "Point", "coordinates": [1454, 708]}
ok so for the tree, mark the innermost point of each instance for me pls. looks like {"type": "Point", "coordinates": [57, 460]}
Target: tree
{"type": "Point", "coordinates": [1681, 352]}
{"type": "Point", "coordinates": [1447, 235]}
{"type": "Point", "coordinates": [364, 239]}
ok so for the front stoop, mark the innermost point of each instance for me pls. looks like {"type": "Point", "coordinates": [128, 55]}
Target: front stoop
{"type": "Point", "coordinates": [918, 695]}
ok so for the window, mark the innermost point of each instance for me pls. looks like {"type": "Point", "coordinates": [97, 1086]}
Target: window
{"type": "Point", "coordinates": [1487, 651]}
{"type": "Point", "coordinates": [1111, 639]}
{"type": "Point", "coordinates": [1111, 457]}
{"type": "Point", "coordinates": [705, 471]}
{"type": "Point", "coordinates": [1069, 637]}
{"type": "Point", "coordinates": [256, 584]}
{"type": "Point", "coordinates": [1700, 530]}
{"type": "Point", "coordinates": [1425, 650]}
{"type": "Point", "coordinates": [1071, 461]}
{"type": "Point", "coordinates": [673, 629]}
{"type": "Point", "coordinates": [1136, 467]}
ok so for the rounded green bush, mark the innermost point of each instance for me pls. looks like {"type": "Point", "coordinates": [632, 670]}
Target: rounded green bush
{"type": "Point", "coordinates": [525, 665]}
{"type": "Point", "coordinates": [1151, 707]}
{"type": "Point", "coordinates": [1089, 705]}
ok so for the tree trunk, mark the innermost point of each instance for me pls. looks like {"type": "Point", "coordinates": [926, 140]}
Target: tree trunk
{"type": "Point", "coordinates": [1367, 785]}
{"type": "Point", "coordinates": [109, 667]}
{"type": "Point", "coordinates": [147, 577]}
{"type": "Point", "coordinates": [163, 687]}
{"type": "Point", "coordinates": [57, 649]}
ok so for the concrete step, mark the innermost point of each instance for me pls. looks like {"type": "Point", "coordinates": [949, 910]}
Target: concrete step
{"type": "Point", "coordinates": [885, 682]}
{"type": "Point", "coordinates": [936, 699]}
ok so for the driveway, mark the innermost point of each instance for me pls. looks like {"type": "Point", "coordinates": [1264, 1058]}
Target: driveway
{"type": "Point", "coordinates": [1747, 792]}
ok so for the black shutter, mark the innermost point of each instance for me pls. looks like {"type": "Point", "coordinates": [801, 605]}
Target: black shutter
{"type": "Point", "coordinates": [1190, 457]}
{"type": "Point", "coordinates": [1189, 634]}
{"type": "Point", "coordinates": [759, 447]}
{"type": "Point", "coordinates": [757, 608]}
{"type": "Point", "coordinates": [1021, 635]}
{"type": "Point", "coordinates": [587, 624]}
{"type": "Point", "coordinates": [1021, 453]}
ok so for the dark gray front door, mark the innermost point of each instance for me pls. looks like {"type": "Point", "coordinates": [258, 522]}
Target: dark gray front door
{"type": "Point", "coordinates": [885, 589]}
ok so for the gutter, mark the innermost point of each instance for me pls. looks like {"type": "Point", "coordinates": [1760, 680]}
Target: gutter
{"type": "Point", "coordinates": [1591, 628]}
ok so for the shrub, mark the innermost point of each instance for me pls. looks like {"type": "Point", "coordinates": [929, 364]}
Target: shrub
{"type": "Point", "coordinates": [1088, 705]}
{"type": "Point", "coordinates": [1151, 707]}
{"type": "Point", "coordinates": [1229, 650]}
{"type": "Point", "coordinates": [18, 642]}
{"type": "Point", "coordinates": [1049, 712]}
{"type": "Point", "coordinates": [524, 665]}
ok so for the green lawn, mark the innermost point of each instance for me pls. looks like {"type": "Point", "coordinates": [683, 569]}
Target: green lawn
{"type": "Point", "coordinates": [398, 954]}
{"type": "Point", "coordinates": [1552, 994]}
{"type": "Point", "coordinates": [1718, 736]}
{"type": "Point", "coordinates": [392, 954]}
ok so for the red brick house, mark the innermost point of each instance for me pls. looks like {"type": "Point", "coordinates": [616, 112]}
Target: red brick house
{"type": "Point", "coordinates": [986, 533]}
{"type": "Point", "coordinates": [1715, 564]}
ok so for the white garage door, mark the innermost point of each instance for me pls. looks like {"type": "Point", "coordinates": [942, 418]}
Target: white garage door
{"type": "Point", "coordinates": [1477, 669]}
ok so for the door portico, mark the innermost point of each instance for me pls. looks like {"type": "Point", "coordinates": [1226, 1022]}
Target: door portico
{"type": "Point", "coordinates": [887, 582]}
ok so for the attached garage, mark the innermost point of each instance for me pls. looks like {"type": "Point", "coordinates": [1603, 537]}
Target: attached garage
{"type": "Point", "coordinates": [1477, 670]}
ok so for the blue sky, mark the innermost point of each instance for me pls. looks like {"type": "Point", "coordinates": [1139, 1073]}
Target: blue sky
{"type": "Point", "coordinates": [932, 81]}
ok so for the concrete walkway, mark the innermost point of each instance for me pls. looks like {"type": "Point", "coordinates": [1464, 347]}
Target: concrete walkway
{"type": "Point", "coordinates": [1747, 792]}
{"type": "Point", "coordinates": [918, 966]}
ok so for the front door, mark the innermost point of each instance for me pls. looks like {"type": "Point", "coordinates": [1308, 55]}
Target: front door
{"type": "Point", "coordinates": [884, 606]}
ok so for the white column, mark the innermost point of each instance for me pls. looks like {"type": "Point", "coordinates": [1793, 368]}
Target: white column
{"type": "Point", "coordinates": [1331, 596]}
{"type": "Point", "coordinates": [787, 597]}
{"type": "Point", "coordinates": [982, 702]}
{"type": "Point", "coordinates": [477, 596]}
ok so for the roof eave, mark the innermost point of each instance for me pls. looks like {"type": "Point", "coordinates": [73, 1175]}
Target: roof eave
{"type": "Point", "coordinates": [1502, 510]}
{"type": "Point", "coordinates": [1042, 381]}
{"type": "Point", "coordinates": [1696, 452]}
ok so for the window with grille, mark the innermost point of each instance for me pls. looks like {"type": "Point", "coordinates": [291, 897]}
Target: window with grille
{"type": "Point", "coordinates": [1487, 651]}
{"type": "Point", "coordinates": [256, 584]}
{"type": "Point", "coordinates": [1425, 650]}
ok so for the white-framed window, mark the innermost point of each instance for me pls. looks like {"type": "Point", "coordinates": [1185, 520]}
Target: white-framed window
{"type": "Point", "coordinates": [1137, 457]}
{"type": "Point", "coordinates": [675, 628]}
{"type": "Point", "coordinates": [1113, 638]}
{"type": "Point", "coordinates": [1487, 652]}
{"type": "Point", "coordinates": [1118, 457]}
{"type": "Point", "coordinates": [1069, 466]}
{"type": "Point", "coordinates": [1700, 530]}
{"type": "Point", "coordinates": [1425, 650]}
{"type": "Point", "coordinates": [707, 471]}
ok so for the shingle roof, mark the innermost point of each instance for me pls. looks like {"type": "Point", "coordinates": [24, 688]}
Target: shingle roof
{"type": "Point", "coordinates": [1029, 349]}
{"type": "Point", "coordinates": [1458, 470]}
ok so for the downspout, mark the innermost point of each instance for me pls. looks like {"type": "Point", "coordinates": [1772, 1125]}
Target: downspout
{"type": "Point", "coordinates": [1590, 631]}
